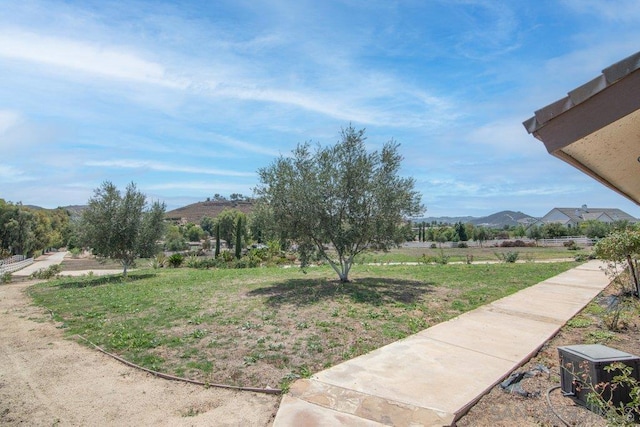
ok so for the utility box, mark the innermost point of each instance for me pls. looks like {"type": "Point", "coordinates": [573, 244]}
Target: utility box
{"type": "Point", "coordinates": [582, 368]}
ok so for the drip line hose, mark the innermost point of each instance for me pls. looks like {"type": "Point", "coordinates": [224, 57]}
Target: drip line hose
{"type": "Point", "coordinates": [551, 406]}
{"type": "Point", "coordinates": [186, 380]}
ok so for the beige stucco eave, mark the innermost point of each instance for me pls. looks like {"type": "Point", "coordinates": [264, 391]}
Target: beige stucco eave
{"type": "Point", "coordinates": [597, 130]}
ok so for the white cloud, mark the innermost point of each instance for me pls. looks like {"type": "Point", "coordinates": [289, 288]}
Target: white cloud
{"type": "Point", "coordinates": [108, 61]}
{"type": "Point", "coordinates": [212, 187]}
{"type": "Point", "coordinates": [10, 175]}
{"type": "Point", "coordinates": [8, 119]}
{"type": "Point", "coordinates": [627, 11]}
{"type": "Point", "coordinates": [508, 135]}
{"type": "Point", "coordinates": [163, 167]}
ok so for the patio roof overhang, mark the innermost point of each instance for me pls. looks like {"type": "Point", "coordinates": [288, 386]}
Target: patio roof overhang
{"type": "Point", "coordinates": [596, 128]}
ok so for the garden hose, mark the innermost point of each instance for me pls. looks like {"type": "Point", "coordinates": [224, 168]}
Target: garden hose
{"type": "Point", "coordinates": [187, 380]}
{"type": "Point", "coordinates": [551, 406]}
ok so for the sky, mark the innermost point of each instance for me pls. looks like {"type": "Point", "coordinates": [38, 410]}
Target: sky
{"type": "Point", "coordinates": [189, 99]}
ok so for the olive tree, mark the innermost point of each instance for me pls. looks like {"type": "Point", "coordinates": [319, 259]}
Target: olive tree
{"type": "Point", "coordinates": [122, 227]}
{"type": "Point", "coordinates": [341, 196]}
{"type": "Point", "coordinates": [622, 246]}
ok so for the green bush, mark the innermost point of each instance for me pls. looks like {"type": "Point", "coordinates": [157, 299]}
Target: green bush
{"type": "Point", "coordinates": [5, 277]}
{"type": "Point", "coordinates": [509, 257]}
{"type": "Point", "coordinates": [75, 252]}
{"type": "Point", "coordinates": [47, 273]}
{"type": "Point", "coordinates": [159, 260]}
{"type": "Point", "coordinates": [175, 260]}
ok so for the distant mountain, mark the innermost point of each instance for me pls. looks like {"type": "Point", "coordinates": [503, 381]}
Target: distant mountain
{"type": "Point", "coordinates": [496, 220]}
{"type": "Point", "coordinates": [74, 210]}
{"type": "Point", "coordinates": [211, 208]}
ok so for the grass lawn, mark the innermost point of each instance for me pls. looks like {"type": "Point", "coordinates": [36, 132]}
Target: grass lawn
{"type": "Point", "coordinates": [268, 326]}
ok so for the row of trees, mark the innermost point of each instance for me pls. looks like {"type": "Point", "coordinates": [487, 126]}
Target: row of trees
{"type": "Point", "coordinates": [26, 231]}
{"type": "Point", "coordinates": [332, 202]}
{"type": "Point", "coordinates": [459, 232]}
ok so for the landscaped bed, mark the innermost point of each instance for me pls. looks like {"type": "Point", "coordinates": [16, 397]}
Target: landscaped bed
{"type": "Point", "coordinates": [265, 327]}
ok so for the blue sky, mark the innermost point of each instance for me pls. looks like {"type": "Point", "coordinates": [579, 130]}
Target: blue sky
{"type": "Point", "coordinates": [190, 100]}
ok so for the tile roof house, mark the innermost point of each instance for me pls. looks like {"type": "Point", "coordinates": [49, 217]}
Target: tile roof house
{"type": "Point", "coordinates": [572, 217]}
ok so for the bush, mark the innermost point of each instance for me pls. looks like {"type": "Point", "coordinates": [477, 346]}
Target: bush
{"type": "Point", "coordinates": [463, 245]}
{"type": "Point", "coordinates": [509, 257]}
{"type": "Point", "coordinates": [513, 244]}
{"type": "Point", "coordinates": [246, 262]}
{"type": "Point", "coordinates": [47, 273]}
{"type": "Point", "coordinates": [75, 252]}
{"type": "Point", "coordinates": [206, 263]}
{"type": "Point", "coordinates": [5, 277]}
{"type": "Point", "coordinates": [175, 260]}
{"type": "Point", "coordinates": [571, 245]}
{"type": "Point", "coordinates": [159, 261]}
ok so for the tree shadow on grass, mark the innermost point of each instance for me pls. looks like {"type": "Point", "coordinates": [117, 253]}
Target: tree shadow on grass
{"type": "Point", "coordinates": [367, 290]}
{"type": "Point", "coordinates": [91, 281]}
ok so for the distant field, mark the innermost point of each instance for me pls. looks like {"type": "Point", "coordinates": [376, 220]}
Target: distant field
{"type": "Point", "coordinates": [268, 326]}
{"type": "Point", "coordinates": [415, 254]}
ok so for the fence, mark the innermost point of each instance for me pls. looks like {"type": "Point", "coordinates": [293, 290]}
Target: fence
{"type": "Point", "coordinates": [15, 263]}
{"type": "Point", "coordinates": [579, 240]}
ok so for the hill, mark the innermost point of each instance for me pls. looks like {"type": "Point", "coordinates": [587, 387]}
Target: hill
{"type": "Point", "coordinates": [496, 220]}
{"type": "Point", "coordinates": [196, 211]}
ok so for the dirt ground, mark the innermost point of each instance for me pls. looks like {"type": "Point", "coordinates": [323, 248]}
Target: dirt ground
{"type": "Point", "coordinates": [501, 409]}
{"type": "Point", "coordinates": [47, 380]}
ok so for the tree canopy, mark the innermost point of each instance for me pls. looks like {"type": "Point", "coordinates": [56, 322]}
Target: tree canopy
{"type": "Point", "coordinates": [25, 230]}
{"type": "Point", "coordinates": [339, 195]}
{"type": "Point", "coordinates": [122, 227]}
{"type": "Point", "coordinates": [619, 247]}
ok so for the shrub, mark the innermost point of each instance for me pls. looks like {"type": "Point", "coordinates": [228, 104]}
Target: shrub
{"type": "Point", "coordinates": [463, 245]}
{"type": "Point", "coordinates": [75, 252]}
{"type": "Point", "coordinates": [47, 273]}
{"type": "Point", "coordinates": [509, 257]}
{"type": "Point", "coordinates": [5, 277]}
{"type": "Point", "coordinates": [513, 244]}
{"type": "Point", "coordinates": [226, 256]}
{"type": "Point", "coordinates": [159, 261]}
{"type": "Point", "coordinates": [571, 245]}
{"type": "Point", "coordinates": [175, 260]}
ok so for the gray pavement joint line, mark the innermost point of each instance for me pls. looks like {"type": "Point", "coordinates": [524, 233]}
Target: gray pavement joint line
{"type": "Point", "coordinates": [474, 350]}
{"type": "Point", "coordinates": [530, 316]}
{"type": "Point", "coordinates": [439, 412]}
{"type": "Point", "coordinates": [568, 285]}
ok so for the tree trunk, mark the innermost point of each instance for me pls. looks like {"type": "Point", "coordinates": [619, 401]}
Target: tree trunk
{"type": "Point", "coordinates": [634, 275]}
{"type": "Point", "coordinates": [217, 252]}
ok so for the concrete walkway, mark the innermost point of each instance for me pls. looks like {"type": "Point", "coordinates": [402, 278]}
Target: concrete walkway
{"type": "Point", "coordinates": [433, 377]}
{"type": "Point", "coordinates": [45, 261]}
{"type": "Point", "coordinates": [41, 263]}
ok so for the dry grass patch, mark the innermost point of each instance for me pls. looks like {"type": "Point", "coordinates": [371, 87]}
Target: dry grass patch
{"type": "Point", "coordinates": [269, 326]}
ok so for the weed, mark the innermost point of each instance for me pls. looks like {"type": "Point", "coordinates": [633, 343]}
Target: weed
{"type": "Point", "coordinates": [600, 337]}
{"type": "Point", "coordinates": [579, 322]}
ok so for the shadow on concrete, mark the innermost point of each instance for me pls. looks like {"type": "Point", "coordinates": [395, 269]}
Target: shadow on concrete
{"type": "Point", "coordinates": [369, 290]}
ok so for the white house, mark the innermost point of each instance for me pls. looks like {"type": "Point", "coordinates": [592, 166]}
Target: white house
{"type": "Point", "coordinates": [572, 217]}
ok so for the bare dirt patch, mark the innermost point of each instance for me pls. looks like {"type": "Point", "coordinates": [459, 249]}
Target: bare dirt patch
{"type": "Point", "coordinates": [47, 380]}
{"type": "Point", "coordinates": [500, 408]}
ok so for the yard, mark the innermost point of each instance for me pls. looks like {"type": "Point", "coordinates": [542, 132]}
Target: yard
{"type": "Point", "coordinates": [266, 327]}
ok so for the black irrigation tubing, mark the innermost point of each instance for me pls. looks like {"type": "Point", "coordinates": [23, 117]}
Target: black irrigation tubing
{"type": "Point", "coordinates": [186, 380]}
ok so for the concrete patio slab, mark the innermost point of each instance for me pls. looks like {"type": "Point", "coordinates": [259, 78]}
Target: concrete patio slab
{"type": "Point", "coordinates": [433, 377]}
